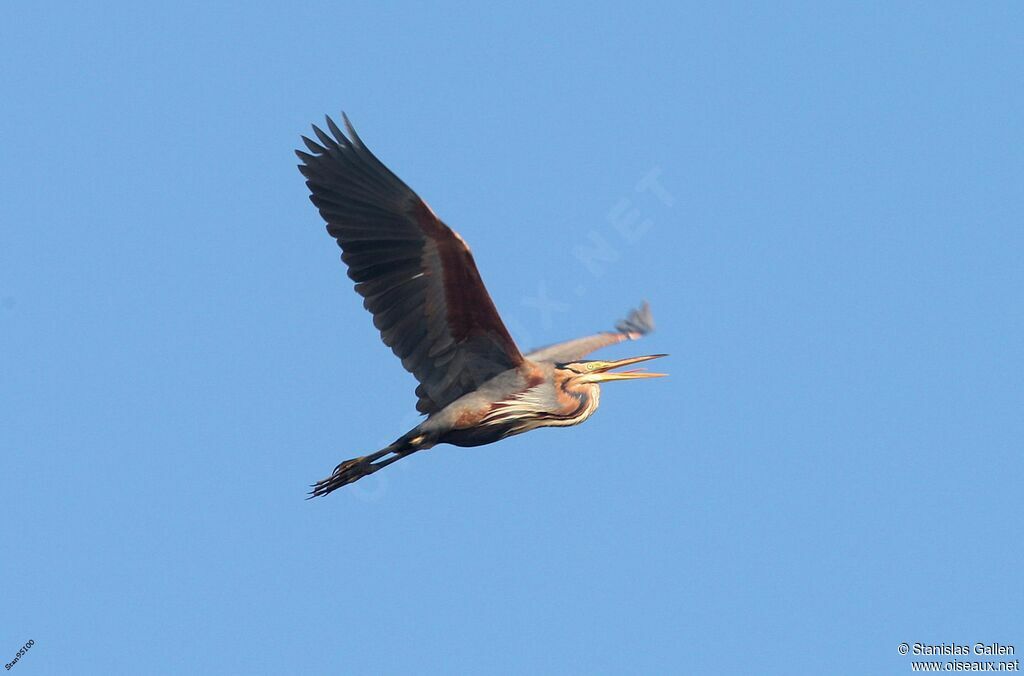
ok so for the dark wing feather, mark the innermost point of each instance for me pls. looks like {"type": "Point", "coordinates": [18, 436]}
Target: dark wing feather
{"type": "Point", "coordinates": [639, 323]}
{"type": "Point", "coordinates": [416, 275]}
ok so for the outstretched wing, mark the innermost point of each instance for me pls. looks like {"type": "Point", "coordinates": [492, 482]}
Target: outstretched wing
{"type": "Point", "coordinates": [416, 276]}
{"type": "Point", "coordinates": [639, 323]}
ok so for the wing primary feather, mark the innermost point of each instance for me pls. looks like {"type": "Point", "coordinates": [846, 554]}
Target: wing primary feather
{"type": "Point", "coordinates": [417, 277]}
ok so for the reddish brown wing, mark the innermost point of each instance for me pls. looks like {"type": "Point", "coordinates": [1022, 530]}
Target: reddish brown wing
{"type": "Point", "coordinates": [416, 275]}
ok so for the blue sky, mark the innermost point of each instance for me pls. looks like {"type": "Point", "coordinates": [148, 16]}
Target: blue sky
{"type": "Point", "coordinates": [833, 259]}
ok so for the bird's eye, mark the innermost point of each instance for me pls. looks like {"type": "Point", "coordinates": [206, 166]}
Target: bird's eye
{"type": "Point", "coordinates": [591, 366]}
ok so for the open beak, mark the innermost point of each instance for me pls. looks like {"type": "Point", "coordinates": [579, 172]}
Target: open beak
{"type": "Point", "coordinates": [600, 373]}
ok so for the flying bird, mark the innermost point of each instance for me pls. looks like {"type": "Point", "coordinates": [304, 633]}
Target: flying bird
{"type": "Point", "coordinates": [418, 280]}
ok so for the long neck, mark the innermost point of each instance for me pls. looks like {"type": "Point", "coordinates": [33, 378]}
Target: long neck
{"type": "Point", "coordinates": [578, 401]}
{"type": "Point", "coordinates": [560, 403]}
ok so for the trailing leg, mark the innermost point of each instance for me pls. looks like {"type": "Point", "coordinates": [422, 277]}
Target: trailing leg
{"type": "Point", "coordinates": [355, 469]}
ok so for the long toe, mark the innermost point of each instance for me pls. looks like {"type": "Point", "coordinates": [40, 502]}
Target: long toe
{"type": "Point", "coordinates": [345, 473]}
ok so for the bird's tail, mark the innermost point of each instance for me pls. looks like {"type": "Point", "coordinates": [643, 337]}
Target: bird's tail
{"type": "Point", "coordinates": [355, 469]}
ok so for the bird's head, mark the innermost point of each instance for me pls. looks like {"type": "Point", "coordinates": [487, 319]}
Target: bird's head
{"type": "Point", "coordinates": [597, 371]}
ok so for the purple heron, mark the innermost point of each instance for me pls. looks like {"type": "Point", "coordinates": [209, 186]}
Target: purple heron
{"type": "Point", "coordinates": [418, 280]}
